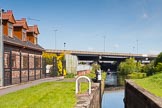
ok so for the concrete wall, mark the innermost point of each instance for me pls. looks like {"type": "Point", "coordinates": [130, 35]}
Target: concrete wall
{"type": "Point", "coordinates": [92, 100]}
{"type": "Point", "coordinates": [137, 97]}
{"type": "Point", "coordinates": [89, 101]}
{"type": "Point", "coordinates": [71, 63]}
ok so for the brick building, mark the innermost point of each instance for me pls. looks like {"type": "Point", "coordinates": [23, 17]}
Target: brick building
{"type": "Point", "coordinates": [22, 54]}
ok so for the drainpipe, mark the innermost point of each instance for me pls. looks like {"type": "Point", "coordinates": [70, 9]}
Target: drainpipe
{"type": "Point", "coordinates": [1, 52]}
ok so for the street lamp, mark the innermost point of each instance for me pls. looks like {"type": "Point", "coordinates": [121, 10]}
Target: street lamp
{"type": "Point", "coordinates": [1, 51]}
{"type": "Point", "coordinates": [32, 19]}
{"type": "Point", "coordinates": [137, 45]}
{"type": "Point", "coordinates": [104, 42]}
{"type": "Point", "coordinates": [133, 49]}
{"type": "Point", "coordinates": [64, 46]}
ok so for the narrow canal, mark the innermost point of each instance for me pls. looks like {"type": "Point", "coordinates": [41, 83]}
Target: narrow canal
{"type": "Point", "coordinates": [114, 91]}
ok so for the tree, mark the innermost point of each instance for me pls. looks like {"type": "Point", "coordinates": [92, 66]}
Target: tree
{"type": "Point", "coordinates": [128, 66]}
{"type": "Point", "coordinates": [60, 58]}
{"type": "Point", "coordinates": [158, 59]}
{"type": "Point", "coordinates": [158, 68]}
{"type": "Point", "coordinates": [149, 68]}
{"type": "Point", "coordinates": [95, 66]}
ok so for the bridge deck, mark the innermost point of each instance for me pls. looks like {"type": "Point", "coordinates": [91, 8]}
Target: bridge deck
{"type": "Point", "coordinates": [100, 53]}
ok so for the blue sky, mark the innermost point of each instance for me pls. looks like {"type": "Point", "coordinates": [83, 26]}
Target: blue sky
{"type": "Point", "coordinates": [82, 24]}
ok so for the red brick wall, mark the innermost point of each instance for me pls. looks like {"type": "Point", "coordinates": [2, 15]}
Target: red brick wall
{"type": "Point", "coordinates": [83, 72]}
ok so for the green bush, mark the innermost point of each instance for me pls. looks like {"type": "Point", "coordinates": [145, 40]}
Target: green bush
{"type": "Point", "coordinates": [149, 68]}
{"type": "Point", "coordinates": [70, 75]}
{"type": "Point", "coordinates": [136, 75]}
{"type": "Point", "coordinates": [158, 67]}
{"type": "Point", "coordinates": [91, 75]}
{"type": "Point", "coordinates": [95, 67]}
{"type": "Point", "coordinates": [129, 66]}
{"type": "Point", "coordinates": [104, 74]}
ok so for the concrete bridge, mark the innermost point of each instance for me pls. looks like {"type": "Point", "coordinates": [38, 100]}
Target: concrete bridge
{"type": "Point", "coordinates": [106, 59]}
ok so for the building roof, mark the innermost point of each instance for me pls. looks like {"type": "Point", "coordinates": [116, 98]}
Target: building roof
{"type": "Point", "coordinates": [25, 44]}
{"type": "Point", "coordinates": [21, 23]}
{"type": "Point", "coordinates": [8, 16]}
{"type": "Point", "coordinates": [33, 29]}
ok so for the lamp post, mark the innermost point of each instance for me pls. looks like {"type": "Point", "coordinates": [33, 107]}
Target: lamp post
{"type": "Point", "coordinates": [32, 19]}
{"type": "Point", "coordinates": [137, 45]}
{"type": "Point", "coordinates": [64, 46]}
{"type": "Point", "coordinates": [1, 51]}
{"type": "Point", "coordinates": [104, 42]}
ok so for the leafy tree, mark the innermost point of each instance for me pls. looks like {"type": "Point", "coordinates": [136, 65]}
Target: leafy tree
{"type": "Point", "coordinates": [95, 67]}
{"type": "Point", "coordinates": [138, 67]}
{"type": "Point", "coordinates": [49, 60]}
{"type": "Point", "coordinates": [158, 68]}
{"type": "Point", "coordinates": [48, 57]}
{"type": "Point", "coordinates": [149, 68]}
{"type": "Point", "coordinates": [158, 59]}
{"type": "Point", "coordinates": [127, 66]}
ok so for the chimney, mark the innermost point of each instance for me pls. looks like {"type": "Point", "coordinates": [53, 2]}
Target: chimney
{"type": "Point", "coordinates": [9, 11]}
{"type": "Point", "coordinates": [23, 19]}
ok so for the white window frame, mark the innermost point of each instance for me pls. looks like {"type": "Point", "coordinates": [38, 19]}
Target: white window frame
{"type": "Point", "coordinates": [35, 39]}
{"type": "Point", "coordinates": [10, 29]}
{"type": "Point", "coordinates": [23, 35]}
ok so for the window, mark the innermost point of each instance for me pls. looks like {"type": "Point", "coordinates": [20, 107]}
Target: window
{"type": "Point", "coordinates": [25, 61]}
{"type": "Point", "coordinates": [37, 62]}
{"type": "Point", "coordinates": [35, 40]}
{"type": "Point", "coordinates": [6, 60]}
{"type": "Point", "coordinates": [13, 61]}
{"type": "Point", "coordinates": [23, 35]}
{"type": "Point", "coordinates": [10, 30]}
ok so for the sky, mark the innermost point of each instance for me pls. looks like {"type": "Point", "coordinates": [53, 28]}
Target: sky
{"type": "Point", "coordinates": [120, 26]}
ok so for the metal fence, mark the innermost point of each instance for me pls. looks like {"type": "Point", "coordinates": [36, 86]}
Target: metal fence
{"type": "Point", "coordinates": [22, 67]}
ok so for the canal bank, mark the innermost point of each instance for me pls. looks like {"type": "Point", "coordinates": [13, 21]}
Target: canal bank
{"type": "Point", "coordinates": [93, 100]}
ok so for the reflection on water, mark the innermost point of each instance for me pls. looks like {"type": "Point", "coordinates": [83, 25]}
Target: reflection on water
{"type": "Point", "coordinates": [113, 79]}
{"type": "Point", "coordinates": [113, 99]}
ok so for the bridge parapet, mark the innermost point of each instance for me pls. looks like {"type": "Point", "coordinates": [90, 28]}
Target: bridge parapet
{"type": "Point", "coordinates": [100, 53]}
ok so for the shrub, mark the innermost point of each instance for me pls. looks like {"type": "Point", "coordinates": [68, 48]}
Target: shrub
{"type": "Point", "coordinates": [137, 75]}
{"type": "Point", "coordinates": [158, 68]}
{"type": "Point", "coordinates": [149, 68]}
{"type": "Point", "coordinates": [95, 67]}
{"type": "Point", "coordinates": [70, 75]}
{"type": "Point", "coordinates": [127, 67]}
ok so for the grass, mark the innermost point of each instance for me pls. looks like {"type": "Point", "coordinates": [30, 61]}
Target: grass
{"type": "Point", "coordinates": [45, 95]}
{"type": "Point", "coordinates": [152, 84]}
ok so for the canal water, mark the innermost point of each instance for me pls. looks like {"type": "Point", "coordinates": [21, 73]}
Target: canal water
{"type": "Point", "coordinates": [114, 93]}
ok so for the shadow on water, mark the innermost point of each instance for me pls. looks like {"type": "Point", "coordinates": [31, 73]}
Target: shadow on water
{"type": "Point", "coordinates": [113, 80]}
{"type": "Point", "coordinates": [114, 91]}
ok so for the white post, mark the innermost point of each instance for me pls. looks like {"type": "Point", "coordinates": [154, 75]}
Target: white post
{"type": "Point", "coordinates": [1, 51]}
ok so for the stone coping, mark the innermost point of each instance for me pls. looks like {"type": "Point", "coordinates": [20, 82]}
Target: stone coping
{"type": "Point", "coordinates": [155, 99]}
